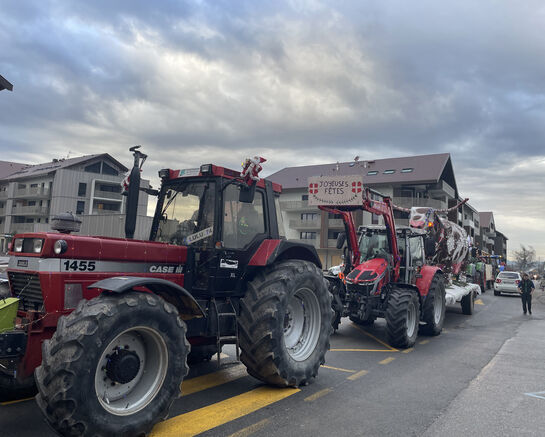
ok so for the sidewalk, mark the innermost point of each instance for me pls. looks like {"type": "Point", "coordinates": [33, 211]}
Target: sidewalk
{"type": "Point", "coordinates": [508, 397]}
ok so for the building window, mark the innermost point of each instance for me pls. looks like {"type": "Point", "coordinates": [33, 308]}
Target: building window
{"type": "Point", "coordinates": [304, 197]}
{"type": "Point", "coordinates": [309, 216]}
{"type": "Point", "coordinates": [106, 169]}
{"type": "Point", "coordinates": [93, 168]}
{"type": "Point", "coordinates": [21, 186]}
{"type": "Point", "coordinates": [47, 220]}
{"type": "Point", "coordinates": [308, 235]}
{"type": "Point", "coordinates": [388, 172]}
{"type": "Point", "coordinates": [108, 206]}
{"type": "Point", "coordinates": [31, 203]}
{"type": "Point", "coordinates": [372, 173]}
{"type": "Point", "coordinates": [33, 185]}
{"type": "Point", "coordinates": [82, 189]}
{"type": "Point", "coordinates": [406, 170]}
{"type": "Point", "coordinates": [80, 208]}
{"type": "Point", "coordinates": [110, 188]}
{"type": "Point", "coordinates": [332, 235]}
{"type": "Point", "coordinates": [334, 216]}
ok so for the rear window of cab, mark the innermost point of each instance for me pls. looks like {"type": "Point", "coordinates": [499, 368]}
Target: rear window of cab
{"type": "Point", "coordinates": [505, 275]}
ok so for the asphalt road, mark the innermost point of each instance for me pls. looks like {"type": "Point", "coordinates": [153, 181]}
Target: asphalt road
{"type": "Point", "coordinates": [483, 375]}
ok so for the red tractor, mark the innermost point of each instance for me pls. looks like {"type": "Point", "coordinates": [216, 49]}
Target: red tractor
{"type": "Point", "coordinates": [385, 276]}
{"type": "Point", "coordinates": [107, 324]}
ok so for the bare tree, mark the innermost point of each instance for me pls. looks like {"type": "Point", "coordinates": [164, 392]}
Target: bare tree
{"type": "Point", "coordinates": [525, 258]}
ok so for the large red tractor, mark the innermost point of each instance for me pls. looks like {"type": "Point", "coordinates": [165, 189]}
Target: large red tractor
{"type": "Point", "coordinates": [107, 324]}
{"type": "Point", "coordinates": [385, 276]}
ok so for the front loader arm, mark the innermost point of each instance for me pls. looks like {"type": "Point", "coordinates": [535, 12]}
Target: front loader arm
{"type": "Point", "coordinates": [352, 236]}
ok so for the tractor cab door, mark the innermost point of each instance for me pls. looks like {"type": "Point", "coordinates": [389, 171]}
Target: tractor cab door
{"type": "Point", "coordinates": [244, 227]}
{"type": "Point", "coordinates": [416, 257]}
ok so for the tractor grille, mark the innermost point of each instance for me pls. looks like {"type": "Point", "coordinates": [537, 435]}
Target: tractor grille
{"type": "Point", "coordinates": [26, 287]}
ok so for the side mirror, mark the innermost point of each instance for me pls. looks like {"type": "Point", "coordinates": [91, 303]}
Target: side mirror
{"type": "Point", "coordinates": [341, 238]}
{"type": "Point", "coordinates": [429, 247]}
{"type": "Point", "coordinates": [247, 193]}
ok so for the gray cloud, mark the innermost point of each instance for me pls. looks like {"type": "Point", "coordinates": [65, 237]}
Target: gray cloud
{"type": "Point", "coordinates": [299, 81]}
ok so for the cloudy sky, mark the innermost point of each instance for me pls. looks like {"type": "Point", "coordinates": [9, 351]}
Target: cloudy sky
{"type": "Point", "coordinates": [299, 82]}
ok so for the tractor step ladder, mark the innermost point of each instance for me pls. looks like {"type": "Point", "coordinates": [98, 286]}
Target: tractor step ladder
{"type": "Point", "coordinates": [226, 339]}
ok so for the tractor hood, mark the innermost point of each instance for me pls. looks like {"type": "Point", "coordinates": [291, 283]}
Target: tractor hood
{"type": "Point", "coordinates": [368, 272]}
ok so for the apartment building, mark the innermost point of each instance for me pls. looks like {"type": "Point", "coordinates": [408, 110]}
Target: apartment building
{"type": "Point", "coordinates": [426, 180]}
{"type": "Point", "coordinates": [89, 186]}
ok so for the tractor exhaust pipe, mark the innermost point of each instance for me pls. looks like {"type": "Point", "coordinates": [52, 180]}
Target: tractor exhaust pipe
{"type": "Point", "coordinates": [132, 191]}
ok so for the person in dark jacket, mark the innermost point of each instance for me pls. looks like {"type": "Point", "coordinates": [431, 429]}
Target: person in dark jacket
{"type": "Point", "coordinates": [526, 288]}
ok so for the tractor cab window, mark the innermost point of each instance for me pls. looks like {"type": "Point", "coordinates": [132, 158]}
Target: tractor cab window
{"type": "Point", "coordinates": [417, 250]}
{"type": "Point", "coordinates": [188, 215]}
{"type": "Point", "coordinates": [374, 245]}
{"type": "Point", "coordinates": [242, 222]}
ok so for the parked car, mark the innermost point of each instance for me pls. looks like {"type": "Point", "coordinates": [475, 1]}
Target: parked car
{"type": "Point", "coordinates": [507, 282]}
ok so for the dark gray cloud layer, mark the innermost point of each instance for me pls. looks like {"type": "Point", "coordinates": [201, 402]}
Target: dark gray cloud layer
{"type": "Point", "coordinates": [299, 81]}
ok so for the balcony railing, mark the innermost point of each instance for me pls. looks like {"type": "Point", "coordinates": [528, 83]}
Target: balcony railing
{"type": "Point", "coordinates": [32, 192]}
{"type": "Point", "coordinates": [17, 228]}
{"type": "Point", "coordinates": [332, 243]}
{"type": "Point", "coordinates": [304, 224]}
{"type": "Point", "coordinates": [469, 223]}
{"type": "Point", "coordinates": [409, 202]}
{"type": "Point", "coordinates": [4, 194]}
{"type": "Point", "coordinates": [105, 212]}
{"type": "Point", "coordinates": [108, 195]}
{"type": "Point", "coordinates": [294, 205]}
{"type": "Point", "coordinates": [30, 210]}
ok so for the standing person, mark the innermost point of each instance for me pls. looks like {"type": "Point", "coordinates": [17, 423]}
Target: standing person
{"type": "Point", "coordinates": [526, 288]}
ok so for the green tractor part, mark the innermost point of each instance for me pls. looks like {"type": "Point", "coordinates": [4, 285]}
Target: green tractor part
{"type": "Point", "coordinates": [8, 312]}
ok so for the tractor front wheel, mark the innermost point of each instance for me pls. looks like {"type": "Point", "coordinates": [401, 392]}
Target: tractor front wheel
{"type": "Point", "coordinates": [402, 317]}
{"type": "Point", "coordinates": [285, 323]}
{"type": "Point", "coordinates": [434, 307]}
{"type": "Point", "coordinates": [113, 367]}
{"type": "Point", "coordinates": [468, 303]}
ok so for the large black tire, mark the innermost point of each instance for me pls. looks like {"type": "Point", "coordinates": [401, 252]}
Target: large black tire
{"type": "Point", "coordinates": [269, 316]}
{"type": "Point", "coordinates": [402, 317]}
{"type": "Point", "coordinates": [468, 303]}
{"type": "Point", "coordinates": [97, 348]}
{"type": "Point", "coordinates": [12, 390]}
{"type": "Point", "coordinates": [362, 322]}
{"type": "Point", "coordinates": [497, 292]}
{"type": "Point", "coordinates": [336, 303]}
{"type": "Point", "coordinates": [433, 310]}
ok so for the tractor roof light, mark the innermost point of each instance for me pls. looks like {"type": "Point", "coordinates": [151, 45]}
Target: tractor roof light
{"type": "Point", "coordinates": [206, 169]}
{"type": "Point", "coordinates": [164, 173]}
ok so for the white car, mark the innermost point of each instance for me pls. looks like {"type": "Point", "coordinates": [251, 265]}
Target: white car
{"type": "Point", "coordinates": [507, 282]}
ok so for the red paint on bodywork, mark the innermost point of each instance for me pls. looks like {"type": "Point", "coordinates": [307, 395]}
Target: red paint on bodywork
{"type": "Point", "coordinates": [264, 252]}
{"type": "Point", "coordinates": [423, 283]}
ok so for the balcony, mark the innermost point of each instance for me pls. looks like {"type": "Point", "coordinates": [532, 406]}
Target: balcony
{"type": "Point", "coordinates": [304, 224]}
{"type": "Point", "coordinates": [18, 228]}
{"type": "Point", "coordinates": [332, 244]}
{"type": "Point", "coordinates": [296, 205]}
{"type": "Point", "coordinates": [409, 202]}
{"type": "Point", "coordinates": [105, 212]}
{"type": "Point", "coordinates": [30, 210]}
{"type": "Point", "coordinates": [32, 192]}
{"type": "Point", "coordinates": [3, 211]}
{"type": "Point", "coordinates": [107, 195]}
{"type": "Point", "coordinates": [336, 224]}
{"type": "Point", "coordinates": [441, 188]}
{"type": "Point", "coordinates": [469, 223]}
{"type": "Point", "coordinates": [315, 242]}
{"type": "Point", "coordinates": [4, 194]}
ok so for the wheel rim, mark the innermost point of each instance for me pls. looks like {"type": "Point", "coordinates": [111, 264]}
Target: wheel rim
{"type": "Point", "coordinates": [437, 306]}
{"type": "Point", "coordinates": [302, 324]}
{"type": "Point", "coordinates": [411, 319]}
{"type": "Point", "coordinates": [145, 375]}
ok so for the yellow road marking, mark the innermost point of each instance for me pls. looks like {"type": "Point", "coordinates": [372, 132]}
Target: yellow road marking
{"type": "Point", "coordinates": [210, 380]}
{"type": "Point", "coordinates": [15, 401]}
{"type": "Point", "coordinates": [318, 394]}
{"type": "Point", "coordinates": [212, 416]}
{"type": "Point", "coordinates": [337, 368]}
{"type": "Point", "coordinates": [479, 302]}
{"type": "Point", "coordinates": [445, 331]}
{"type": "Point", "coordinates": [387, 360]}
{"type": "Point", "coordinates": [362, 350]}
{"type": "Point", "coordinates": [406, 351]}
{"type": "Point", "coordinates": [249, 430]}
{"type": "Point", "coordinates": [357, 375]}
{"type": "Point", "coordinates": [374, 338]}
{"type": "Point", "coordinates": [424, 342]}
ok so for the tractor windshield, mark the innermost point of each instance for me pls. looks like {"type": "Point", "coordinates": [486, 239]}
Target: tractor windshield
{"type": "Point", "coordinates": [373, 245]}
{"type": "Point", "coordinates": [187, 217]}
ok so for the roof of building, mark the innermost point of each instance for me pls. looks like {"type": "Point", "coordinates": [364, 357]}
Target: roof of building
{"type": "Point", "coordinates": [485, 218]}
{"type": "Point", "coordinates": [418, 169]}
{"type": "Point", "coordinates": [4, 84]}
{"type": "Point", "coordinates": [56, 164]}
{"type": "Point", "coordinates": [7, 168]}
{"type": "Point", "coordinates": [501, 234]}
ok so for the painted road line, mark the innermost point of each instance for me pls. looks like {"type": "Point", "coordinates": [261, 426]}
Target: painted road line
{"type": "Point", "coordinates": [478, 302]}
{"type": "Point", "coordinates": [357, 375]}
{"type": "Point", "coordinates": [337, 368]}
{"type": "Point", "coordinates": [318, 394]}
{"type": "Point", "coordinates": [212, 416]}
{"type": "Point", "coordinates": [406, 351]}
{"type": "Point", "coordinates": [252, 429]}
{"type": "Point", "coordinates": [424, 342]}
{"type": "Point", "coordinates": [387, 360]}
{"type": "Point", "coordinates": [393, 349]}
{"type": "Point", "coordinates": [361, 350]}
{"type": "Point", "coordinates": [210, 380]}
{"type": "Point", "coordinates": [16, 401]}
{"type": "Point", "coordinates": [445, 331]}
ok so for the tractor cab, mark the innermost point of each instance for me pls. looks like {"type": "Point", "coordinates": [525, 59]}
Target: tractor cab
{"type": "Point", "coordinates": [220, 220]}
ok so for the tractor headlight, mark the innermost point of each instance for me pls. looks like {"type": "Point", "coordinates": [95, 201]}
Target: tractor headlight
{"type": "Point", "coordinates": [60, 247]}
{"type": "Point", "coordinates": [37, 245]}
{"type": "Point", "coordinates": [18, 245]}
{"type": "Point", "coordinates": [206, 169]}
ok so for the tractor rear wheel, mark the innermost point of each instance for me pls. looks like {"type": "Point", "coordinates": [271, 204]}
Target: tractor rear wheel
{"type": "Point", "coordinates": [285, 323]}
{"type": "Point", "coordinates": [434, 307]}
{"type": "Point", "coordinates": [11, 389]}
{"type": "Point", "coordinates": [468, 303]}
{"type": "Point", "coordinates": [113, 367]}
{"type": "Point", "coordinates": [402, 317]}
